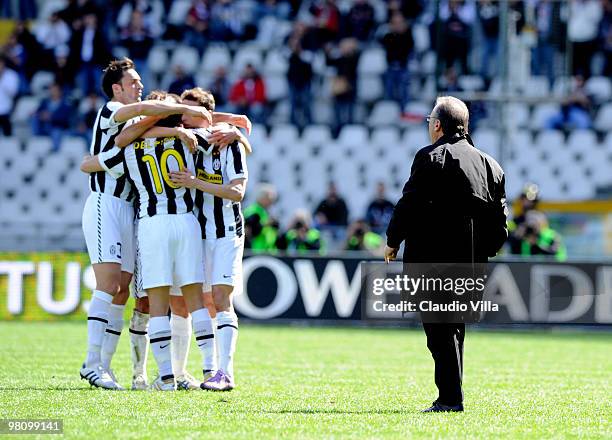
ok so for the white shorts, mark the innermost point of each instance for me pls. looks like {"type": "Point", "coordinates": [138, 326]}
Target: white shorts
{"type": "Point", "coordinates": [108, 226]}
{"type": "Point", "coordinates": [169, 251]}
{"type": "Point", "coordinates": [223, 262]}
{"type": "Point", "coordinates": [137, 290]}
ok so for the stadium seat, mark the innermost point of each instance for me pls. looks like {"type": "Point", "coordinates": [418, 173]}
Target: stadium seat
{"type": "Point", "coordinates": [549, 142]}
{"type": "Point", "coordinates": [178, 12]}
{"type": "Point", "coordinates": [48, 7]}
{"type": "Point", "coordinates": [275, 63]}
{"type": "Point", "coordinates": [369, 88]}
{"type": "Point", "coordinates": [313, 179]}
{"type": "Point", "coordinates": [120, 52]}
{"type": "Point", "coordinates": [215, 56]}
{"type": "Point", "coordinates": [562, 86]}
{"type": "Point", "coordinates": [542, 114]}
{"type": "Point", "coordinates": [384, 113]}
{"type": "Point", "coordinates": [418, 109]}
{"type": "Point", "coordinates": [322, 111]}
{"type": "Point", "coordinates": [487, 140]}
{"type": "Point", "coordinates": [373, 61]}
{"type": "Point", "coordinates": [276, 87]}
{"type": "Point", "coordinates": [38, 146]}
{"type": "Point", "coordinates": [420, 33]}
{"type": "Point", "coordinates": [247, 54]}
{"type": "Point", "coordinates": [415, 138]}
{"type": "Point", "coordinates": [272, 32]}
{"type": "Point", "coordinates": [598, 163]}
{"type": "Point", "coordinates": [297, 152]}
{"type": "Point", "coordinates": [385, 137]}
{"type": "Point", "coordinates": [284, 134]}
{"type": "Point", "coordinates": [428, 62]}
{"type": "Point", "coordinates": [518, 115]}
{"type": "Point", "coordinates": [24, 109]}
{"type": "Point", "coordinates": [40, 82]}
{"type": "Point", "coordinates": [353, 135]}
{"type": "Point", "coordinates": [77, 179]}
{"type": "Point", "coordinates": [316, 135]}
{"type": "Point", "coordinates": [74, 146]}
{"type": "Point", "coordinates": [334, 152]}
{"type": "Point", "coordinates": [600, 87]}
{"type": "Point", "coordinates": [187, 57]}
{"type": "Point", "coordinates": [346, 176]}
{"type": "Point", "coordinates": [158, 59]}
{"type": "Point", "coordinates": [10, 149]}
{"type": "Point", "coordinates": [536, 87]}
{"type": "Point", "coordinates": [471, 83]}
{"type": "Point", "coordinates": [603, 121]}
{"type": "Point", "coordinates": [582, 141]}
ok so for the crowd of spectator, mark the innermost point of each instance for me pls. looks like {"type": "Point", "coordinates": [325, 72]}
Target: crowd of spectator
{"type": "Point", "coordinates": [328, 227]}
{"type": "Point", "coordinates": [76, 41]}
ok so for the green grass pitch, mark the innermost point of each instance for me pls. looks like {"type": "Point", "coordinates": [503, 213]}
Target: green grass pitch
{"type": "Point", "coordinates": [304, 382]}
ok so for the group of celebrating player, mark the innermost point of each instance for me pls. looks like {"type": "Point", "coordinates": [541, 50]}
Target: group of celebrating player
{"type": "Point", "coordinates": [167, 176]}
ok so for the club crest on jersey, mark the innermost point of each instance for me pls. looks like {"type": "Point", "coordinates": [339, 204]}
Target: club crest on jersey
{"type": "Point", "coordinates": [113, 251]}
{"type": "Point", "coordinates": [216, 164]}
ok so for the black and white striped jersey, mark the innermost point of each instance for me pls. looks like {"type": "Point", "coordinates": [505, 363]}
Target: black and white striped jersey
{"type": "Point", "coordinates": [147, 164]}
{"type": "Point", "coordinates": [104, 132]}
{"type": "Point", "coordinates": [219, 217]}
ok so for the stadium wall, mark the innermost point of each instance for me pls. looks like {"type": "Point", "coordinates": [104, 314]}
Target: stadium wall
{"type": "Point", "coordinates": [57, 286]}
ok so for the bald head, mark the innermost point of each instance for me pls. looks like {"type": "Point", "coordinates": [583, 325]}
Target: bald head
{"type": "Point", "coordinates": [449, 116]}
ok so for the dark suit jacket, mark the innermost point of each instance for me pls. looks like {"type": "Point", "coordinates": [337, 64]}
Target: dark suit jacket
{"type": "Point", "coordinates": [101, 51]}
{"type": "Point", "coordinates": [453, 207]}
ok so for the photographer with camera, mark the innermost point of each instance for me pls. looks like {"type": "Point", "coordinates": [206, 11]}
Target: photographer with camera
{"type": "Point", "coordinates": [361, 238]}
{"type": "Point", "coordinates": [300, 237]}
{"type": "Point", "coordinates": [537, 238]}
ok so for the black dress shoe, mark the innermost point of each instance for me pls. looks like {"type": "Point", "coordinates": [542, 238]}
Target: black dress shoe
{"type": "Point", "coordinates": [438, 407]}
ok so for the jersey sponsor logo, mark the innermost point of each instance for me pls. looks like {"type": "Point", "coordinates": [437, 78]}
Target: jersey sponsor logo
{"type": "Point", "coordinates": [212, 178]}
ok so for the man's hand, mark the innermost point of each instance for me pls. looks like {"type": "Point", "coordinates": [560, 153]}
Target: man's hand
{"type": "Point", "coordinates": [188, 138]}
{"type": "Point", "coordinates": [223, 136]}
{"type": "Point", "coordinates": [199, 112]}
{"type": "Point", "coordinates": [183, 178]}
{"type": "Point", "coordinates": [390, 254]}
{"type": "Point", "coordinates": [242, 121]}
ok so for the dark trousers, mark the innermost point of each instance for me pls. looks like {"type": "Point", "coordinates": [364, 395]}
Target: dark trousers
{"type": "Point", "coordinates": [445, 342]}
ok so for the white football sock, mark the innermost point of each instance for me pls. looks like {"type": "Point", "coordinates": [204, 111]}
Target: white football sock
{"type": "Point", "coordinates": [97, 320]}
{"type": "Point", "coordinates": [159, 336]}
{"type": "Point", "coordinates": [181, 340]}
{"type": "Point", "coordinates": [203, 328]}
{"type": "Point", "coordinates": [112, 334]}
{"type": "Point", "coordinates": [227, 335]}
{"type": "Point", "coordinates": [139, 341]}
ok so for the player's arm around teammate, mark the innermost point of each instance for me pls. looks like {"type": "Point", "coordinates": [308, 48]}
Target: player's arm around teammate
{"type": "Point", "coordinates": [233, 191]}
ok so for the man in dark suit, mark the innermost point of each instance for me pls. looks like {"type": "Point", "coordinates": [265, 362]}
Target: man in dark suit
{"type": "Point", "coordinates": [453, 210]}
{"type": "Point", "coordinates": [89, 54]}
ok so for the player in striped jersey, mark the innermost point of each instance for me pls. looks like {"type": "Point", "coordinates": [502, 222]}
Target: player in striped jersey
{"type": "Point", "coordinates": [160, 205]}
{"type": "Point", "coordinates": [180, 318]}
{"type": "Point", "coordinates": [220, 184]}
{"type": "Point", "coordinates": [181, 329]}
{"type": "Point", "coordinates": [108, 217]}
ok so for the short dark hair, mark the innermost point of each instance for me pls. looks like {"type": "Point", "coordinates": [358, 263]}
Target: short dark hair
{"type": "Point", "coordinates": [162, 95]}
{"type": "Point", "coordinates": [453, 115]}
{"type": "Point", "coordinates": [203, 97]}
{"type": "Point", "coordinates": [113, 74]}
